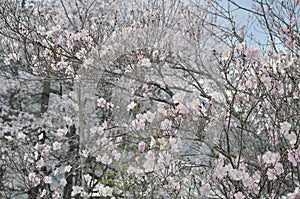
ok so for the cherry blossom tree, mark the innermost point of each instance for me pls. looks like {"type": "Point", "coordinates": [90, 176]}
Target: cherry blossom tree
{"type": "Point", "coordinates": [257, 157]}
{"type": "Point", "coordinates": [149, 99]}
{"type": "Point", "coordinates": [43, 47]}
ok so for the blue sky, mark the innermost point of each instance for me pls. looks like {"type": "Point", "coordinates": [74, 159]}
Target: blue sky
{"type": "Point", "coordinates": [242, 19]}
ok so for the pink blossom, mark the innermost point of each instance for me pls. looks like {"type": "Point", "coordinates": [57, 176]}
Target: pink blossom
{"type": "Point", "coordinates": [161, 142]}
{"type": "Point", "coordinates": [175, 144]}
{"type": "Point", "coordinates": [139, 173]}
{"type": "Point", "coordinates": [21, 136]}
{"type": "Point", "coordinates": [166, 124]}
{"type": "Point", "coordinates": [131, 106]}
{"type": "Point", "coordinates": [290, 42]}
{"type": "Point", "coordinates": [227, 168]}
{"type": "Point", "coordinates": [56, 195]}
{"type": "Point", "coordinates": [98, 158]}
{"type": "Point", "coordinates": [85, 153]}
{"type": "Point", "coordinates": [40, 163]}
{"type": "Point", "coordinates": [130, 169]}
{"type": "Point", "coordinates": [142, 146]}
{"type": "Point", "coordinates": [239, 195]}
{"type": "Point", "coordinates": [84, 195]}
{"type": "Point", "coordinates": [226, 54]}
{"type": "Point", "coordinates": [68, 121]}
{"type": "Point", "coordinates": [76, 190]}
{"type": "Point", "coordinates": [161, 108]}
{"type": "Point", "coordinates": [278, 89]}
{"type": "Point", "coordinates": [63, 182]}
{"type": "Point", "coordinates": [68, 168]}
{"type": "Point", "coordinates": [270, 158]}
{"type": "Point", "coordinates": [255, 188]}
{"type": "Point", "coordinates": [110, 105]}
{"type": "Point", "coordinates": [101, 102]}
{"type": "Point", "coordinates": [48, 180]}
{"type": "Point", "coordinates": [147, 95]}
{"type": "Point", "coordinates": [236, 174]}
{"type": "Point", "coordinates": [250, 84]}
{"type": "Point", "coordinates": [46, 149]}
{"type": "Point", "coordinates": [105, 159]}
{"type": "Point", "coordinates": [31, 176]}
{"type": "Point", "coordinates": [138, 124]}
{"type": "Point", "coordinates": [145, 62]}
{"type": "Point", "coordinates": [165, 157]}
{"type": "Point", "coordinates": [36, 181]}
{"type": "Point", "coordinates": [220, 172]}
{"type": "Point", "coordinates": [279, 168]}
{"type": "Point", "coordinates": [149, 116]}
{"type": "Point", "coordinates": [139, 117]}
{"type": "Point", "coordinates": [295, 194]}
{"type": "Point", "coordinates": [293, 21]}
{"type": "Point", "coordinates": [61, 132]}
{"type": "Point", "coordinates": [107, 191]}
{"type": "Point", "coordinates": [204, 190]}
{"type": "Point", "coordinates": [267, 81]}
{"type": "Point", "coordinates": [285, 126]}
{"type": "Point", "coordinates": [197, 161]}
{"type": "Point", "coordinates": [100, 130]}
{"type": "Point", "coordinates": [84, 35]}
{"type": "Point", "coordinates": [104, 141]}
{"type": "Point", "coordinates": [241, 47]}
{"type": "Point", "coordinates": [292, 138]}
{"type": "Point", "coordinates": [56, 146]}
{"type": "Point", "coordinates": [153, 142]}
{"type": "Point", "coordinates": [160, 169]}
{"type": "Point", "coordinates": [150, 162]}
{"type": "Point", "coordinates": [292, 157]}
{"type": "Point", "coordinates": [62, 64]}
{"type": "Point", "coordinates": [87, 177]}
{"type": "Point", "coordinates": [119, 140]}
{"type": "Point", "coordinates": [116, 155]}
{"type": "Point", "coordinates": [252, 53]}
{"type": "Point", "coordinates": [44, 192]}
{"type": "Point", "coordinates": [256, 177]}
{"type": "Point", "coordinates": [247, 180]}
